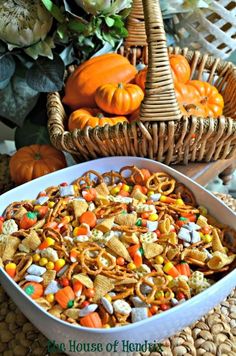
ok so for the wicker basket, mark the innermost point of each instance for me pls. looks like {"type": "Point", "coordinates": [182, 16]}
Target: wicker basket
{"type": "Point", "coordinates": [161, 134]}
{"type": "Point", "coordinates": [212, 29]}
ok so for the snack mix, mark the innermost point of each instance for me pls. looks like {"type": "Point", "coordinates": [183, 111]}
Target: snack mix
{"type": "Point", "coordinates": [112, 249]}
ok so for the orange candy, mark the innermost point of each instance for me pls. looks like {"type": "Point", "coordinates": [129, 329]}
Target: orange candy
{"type": "Point", "coordinates": [88, 218]}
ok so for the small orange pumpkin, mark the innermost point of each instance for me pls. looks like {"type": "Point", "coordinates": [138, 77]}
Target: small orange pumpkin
{"type": "Point", "coordinates": [65, 297]}
{"type": "Point", "coordinates": [180, 68]}
{"type": "Point", "coordinates": [33, 290]}
{"type": "Point", "coordinates": [140, 78]}
{"type": "Point", "coordinates": [183, 268]}
{"type": "Point", "coordinates": [210, 98]}
{"type": "Point", "coordinates": [81, 118]}
{"type": "Point", "coordinates": [195, 109]}
{"type": "Point", "coordinates": [119, 99]}
{"type": "Point", "coordinates": [189, 100]}
{"type": "Point", "coordinates": [91, 320]}
{"type": "Point", "coordinates": [34, 161]}
{"type": "Point", "coordinates": [82, 83]}
{"type": "Point", "coordinates": [28, 220]}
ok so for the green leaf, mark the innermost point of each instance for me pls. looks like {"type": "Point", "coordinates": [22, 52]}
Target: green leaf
{"type": "Point", "coordinates": [31, 133]}
{"type": "Point", "coordinates": [107, 37]}
{"type": "Point", "coordinates": [54, 10]}
{"type": "Point", "coordinates": [77, 26]}
{"type": "Point", "coordinates": [46, 75]}
{"type": "Point", "coordinates": [17, 100]}
{"type": "Point", "coordinates": [72, 9]}
{"type": "Point", "coordinates": [109, 21]}
{"type": "Point", "coordinates": [68, 55]}
{"type": "Point", "coordinates": [7, 67]}
{"type": "Point", "coordinates": [62, 32]}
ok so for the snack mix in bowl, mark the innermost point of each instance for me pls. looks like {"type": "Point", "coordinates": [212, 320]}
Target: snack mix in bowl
{"type": "Point", "coordinates": [113, 249]}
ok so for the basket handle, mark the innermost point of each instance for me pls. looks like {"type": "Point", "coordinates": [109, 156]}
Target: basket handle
{"type": "Point", "coordinates": [159, 102]}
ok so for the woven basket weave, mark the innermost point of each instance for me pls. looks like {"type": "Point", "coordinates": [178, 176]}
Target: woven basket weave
{"type": "Point", "coordinates": [212, 29]}
{"type": "Point", "coordinates": [161, 134]}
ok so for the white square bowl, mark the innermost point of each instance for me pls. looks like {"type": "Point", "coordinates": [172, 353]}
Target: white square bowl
{"type": "Point", "coordinates": [153, 329]}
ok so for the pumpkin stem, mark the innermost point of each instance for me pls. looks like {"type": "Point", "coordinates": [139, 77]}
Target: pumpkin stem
{"type": "Point", "coordinates": [204, 100]}
{"type": "Point", "coordinates": [190, 106]}
{"type": "Point", "coordinates": [100, 115]}
{"type": "Point", "coordinates": [120, 85]}
{"type": "Point", "coordinates": [37, 156]}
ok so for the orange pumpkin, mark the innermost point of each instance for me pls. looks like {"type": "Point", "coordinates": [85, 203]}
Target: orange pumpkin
{"type": "Point", "coordinates": [119, 99]}
{"type": "Point", "coordinates": [180, 68]}
{"type": "Point", "coordinates": [183, 268]}
{"type": "Point", "coordinates": [193, 110]}
{"type": "Point", "coordinates": [210, 98]}
{"type": "Point", "coordinates": [65, 297]}
{"type": "Point", "coordinates": [91, 320]}
{"type": "Point", "coordinates": [33, 289]}
{"type": "Point", "coordinates": [140, 78]}
{"type": "Point", "coordinates": [189, 100]}
{"type": "Point", "coordinates": [34, 161]}
{"type": "Point", "coordinates": [108, 68]}
{"type": "Point", "coordinates": [81, 118]}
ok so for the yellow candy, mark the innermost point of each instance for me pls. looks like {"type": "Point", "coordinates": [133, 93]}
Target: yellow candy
{"type": "Point", "coordinates": [131, 266]}
{"type": "Point", "coordinates": [168, 266]}
{"type": "Point", "coordinates": [50, 241]}
{"type": "Point", "coordinates": [125, 188]}
{"type": "Point", "coordinates": [169, 278]}
{"type": "Point", "coordinates": [75, 231]}
{"type": "Point", "coordinates": [163, 198]}
{"type": "Point", "coordinates": [150, 192]}
{"type": "Point", "coordinates": [37, 207]}
{"type": "Point", "coordinates": [115, 190]}
{"type": "Point", "coordinates": [66, 219]}
{"type": "Point", "coordinates": [50, 265]}
{"type": "Point", "coordinates": [160, 294]}
{"type": "Point", "coordinates": [159, 260]}
{"type": "Point", "coordinates": [50, 297]}
{"type": "Point", "coordinates": [153, 217]}
{"type": "Point", "coordinates": [43, 261]}
{"type": "Point", "coordinates": [76, 188]}
{"type": "Point", "coordinates": [143, 200]}
{"type": "Point", "coordinates": [179, 202]}
{"type": "Point", "coordinates": [36, 257]}
{"type": "Point", "coordinates": [207, 238]}
{"type": "Point", "coordinates": [108, 297]}
{"type": "Point", "coordinates": [51, 204]}
{"type": "Point", "coordinates": [59, 264]}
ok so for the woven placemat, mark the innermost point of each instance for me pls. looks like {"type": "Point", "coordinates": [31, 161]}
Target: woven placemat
{"type": "Point", "coordinates": [213, 335]}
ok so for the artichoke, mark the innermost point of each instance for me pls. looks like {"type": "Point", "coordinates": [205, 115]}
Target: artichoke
{"type": "Point", "coordinates": [23, 22]}
{"type": "Point", "coordinates": [110, 7]}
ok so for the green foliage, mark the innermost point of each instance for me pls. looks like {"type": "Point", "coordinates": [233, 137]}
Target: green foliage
{"type": "Point", "coordinates": [38, 67]}
{"type": "Point", "coordinates": [46, 75]}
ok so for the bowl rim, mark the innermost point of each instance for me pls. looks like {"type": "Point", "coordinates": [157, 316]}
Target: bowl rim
{"type": "Point", "coordinates": [190, 302]}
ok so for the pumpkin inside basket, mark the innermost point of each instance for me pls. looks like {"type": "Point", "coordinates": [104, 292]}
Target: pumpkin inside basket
{"type": "Point", "coordinates": [161, 132]}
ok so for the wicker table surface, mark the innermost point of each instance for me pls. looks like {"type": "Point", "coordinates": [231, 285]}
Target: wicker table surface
{"type": "Point", "coordinates": [214, 334]}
